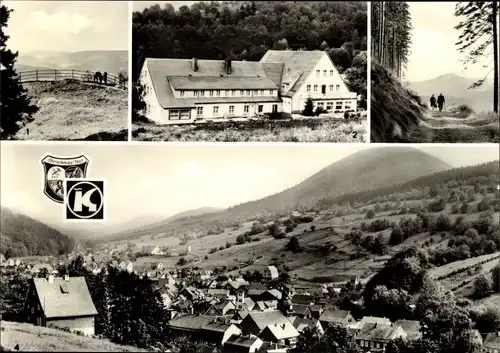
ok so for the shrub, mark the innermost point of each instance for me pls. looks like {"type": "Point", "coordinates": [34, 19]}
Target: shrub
{"type": "Point", "coordinates": [313, 228]}
{"type": "Point", "coordinates": [280, 235]}
{"type": "Point", "coordinates": [370, 214]}
{"type": "Point", "coordinates": [206, 257]}
{"type": "Point", "coordinates": [289, 228]}
{"type": "Point", "coordinates": [240, 239]}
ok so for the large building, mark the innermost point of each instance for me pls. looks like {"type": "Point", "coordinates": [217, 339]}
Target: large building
{"type": "Point", "coordinates": [185, 90]}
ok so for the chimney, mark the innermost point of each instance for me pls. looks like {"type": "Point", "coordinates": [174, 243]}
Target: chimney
{"type": "Point", "coordinates": [227, 66]}
{"type": "Point", "coordinates": [50, 278]}
{"type": "Point", "coordinates": [66, 277]}
{"type": "Point", "coordinates": [191, 310]}
{"type": "Point", "coordinates": [194, 64]}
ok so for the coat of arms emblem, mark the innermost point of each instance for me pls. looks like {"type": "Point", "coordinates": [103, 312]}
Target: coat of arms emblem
{"type": "Point", "coordinates": [57, 169]}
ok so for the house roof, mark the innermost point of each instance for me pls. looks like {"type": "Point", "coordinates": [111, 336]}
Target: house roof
{"type": "Point", "coordinates": [334, 316]}
{"type": "Point", "coordinates": [266, 318]}
{"type": "Point", "coordinates": [300, 309]}
{"type": "Point", "coordinates": [242, 341]}
{"type": "Point", "coordinates": [75, 302]}
{"type": "Point", "coordinates": [373, 320]}
{"type": "Point", "coordinates": [303, 299]}
{"type": "Point", "coordinates": [218, 327]}
{"type": "Point", "coordinates": [300, 323]}
{"type": "Point", "coordinates": [273, 270]}
{"type": "Point", "coordinates": [411, 327]}
{"type": "Point", "coordinates": [210, 75]}
{"type": "Point", "coordinates": [377, 332]}
{"type": "Point", "coordinates": [492, 340]}
{"type": "Point", "coordinates": [191, 322]}
{"type": "Point", "coordinates": [283, 330]}
{"type": "Point", "coordinates": [39, 267]}
{"type": "Point", "coordinates": [275, 293]}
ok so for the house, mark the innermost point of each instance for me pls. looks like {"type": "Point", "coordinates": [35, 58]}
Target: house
{"type": "Point", "coordinates": [300, 324]}
{"type": "Point", "coordinates": [282, 333]}
{"type": "Point", "coordinates": [492, 342]}
{"type": "Point", "coordinates": [375, 335]}
{"type": "Point", "coordinates": [256, 322]}
{"type": "Point", "coordinates": [61, 302]}
{"type": "Point", "coordinates": [218, 293]}
{"type": "Point", "coordinates": [270, 272]}
{"type": "Point", "coordinates": [219, 332]}
{"type": "Point", "coordinates": [310, 74]}
{"type": "Point", "coordinates": [152, 250]}
{"type": "Point", "coordinates": [37, 268]}
{"type": "Point", "coordinates": [336, 317]}
{"type": "Point", "coordinates": [369, 320]}
{"type": "Point", "coordinates": [2, 258]}
{"type": "Point", "coordinates": [303, 299]}
{"type": "Point", "coordinates": [411, 327]}
{"type": "Point", "coordinates": [242, 344]}
{"type": "Point", "coordinates": [183, 90]}
{"type": "Point", "coordinates": [223, 308]}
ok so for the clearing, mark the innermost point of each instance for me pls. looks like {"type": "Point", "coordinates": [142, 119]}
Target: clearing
{"type": "Point", "coordinates": [43, 339]}
{"type": "Point", "coordinates": [74, 110]}
{"type": "Point", "coordinates": [296, 130]}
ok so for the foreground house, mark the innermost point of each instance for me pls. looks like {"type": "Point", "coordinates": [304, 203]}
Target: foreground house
{"type": "Point", "coordinates": [377, 336]}
{"type": "Point", "coordinates": [492, 342]}
{"type": "Point", "coordinates": [242, 344]}
{"type": "Point", "coordinates": [336, 317]}
{"type": "Point", "coordinates": [183, 90]}
{"type": "Point", "coordinates": [61, 302]}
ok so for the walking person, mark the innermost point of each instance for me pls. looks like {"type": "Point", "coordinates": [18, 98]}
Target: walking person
{"type": "Point", "coordinates": [433, 102]}
{"type": "Point", "coordinates": [440, 101]}
{"type": "Point", "coordinates": [105, 77]}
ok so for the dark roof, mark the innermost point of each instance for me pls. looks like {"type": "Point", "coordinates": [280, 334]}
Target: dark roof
{"type": "Point", "coordinates": [302, 299]}
{"type": "Point", "coordinates": [300, 309]}
{"type": "Point", "coordinates": [376, 332]}
{"type": "Point", "coordinates": [64, 298]}
{"type": "Point", "coordinates": [334, 316]}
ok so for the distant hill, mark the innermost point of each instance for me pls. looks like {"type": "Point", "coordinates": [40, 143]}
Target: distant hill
{"type": "Point", "coordinates": [110, 61]}
{"type": "Point", "coordinates": [372, 168]}
{"type": "Point", "coordinates": [26, 236]}
{"type": "Point", "coordinates": [456, 91]}
{"type": "Point", "coordinates": [193, 213]}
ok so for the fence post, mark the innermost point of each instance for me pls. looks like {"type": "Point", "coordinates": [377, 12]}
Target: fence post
{"type": "Point", "coordinates": [55, 75]}
{"type": "Point", "coordinates": [36, 75]}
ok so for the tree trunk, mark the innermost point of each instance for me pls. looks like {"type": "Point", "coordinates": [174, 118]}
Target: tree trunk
{"type": "Point", "coordinates": [495, 57]}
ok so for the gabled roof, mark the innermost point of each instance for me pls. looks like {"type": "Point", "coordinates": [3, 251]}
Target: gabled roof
{"type": "Point", "coordinates": [334, 316]}
{"type": "Point", "coordinates": [300, 323]}
{"type": "Point", "coordinates": [377, 332]}
{"type": "Point", "coordinates": [302, 299]}
{"type": "Point", "coordinates": [373, 320]}
{"type": "Point", "coordinates": [492, 340]}
{"type": "Point", "coordinates": [282, 331]}
{"type": "Point", "coordinates": [191, 322]}
{"type": "Point", "coordinates": [300, 309]}
{"type": "Point", "coordinates": [411, 327]}
{"type": "Point", "coordinates": [241, 341]}
{"type": "Point", "coordinates": [76, 302]}
{"type": "Point", "coordinates": [266, 318]}
{"type": "Point", "coordinates": [216, 83]}
{"type": "Point", "coordinates": [273, 270]}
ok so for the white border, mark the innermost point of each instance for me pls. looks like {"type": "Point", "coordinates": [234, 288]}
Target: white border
{"type": "Point", "coordinates": [85, 220]}
{"type": "Point", "coordinates": [369, 70]}
{"type": "Point", "coordinates": [129, 93]}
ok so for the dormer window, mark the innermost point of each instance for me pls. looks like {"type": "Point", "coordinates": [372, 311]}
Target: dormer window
{"type": "Point", "coordinates": [317, 73]}
{"type": "Point", "coordinates": [181, 93]}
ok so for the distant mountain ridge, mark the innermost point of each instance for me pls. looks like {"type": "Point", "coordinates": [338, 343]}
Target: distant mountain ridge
{"type": "Point", "coordinates": [112, 61]}
{"type": "Point", "coordinates": [456, 91]}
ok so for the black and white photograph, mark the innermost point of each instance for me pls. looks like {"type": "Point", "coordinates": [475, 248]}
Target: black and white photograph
{"type": "Point", "coordinates": [435, 72]}
{"type": "Point", "coordinates": [392, 247]}
{"type": "Point", "coordinates": [249, 71]}
{"type": "Point", "coordinates": [64, 71]}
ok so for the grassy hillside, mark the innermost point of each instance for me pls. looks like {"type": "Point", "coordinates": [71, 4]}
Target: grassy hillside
{"type": "Point", "coordinates": [362, 171]}
{"type": "Point", "coordinates": [75, 110]}
{"type": "Point", "coordinates": [42, 339]}
{"type": "Point", "coordinates": [24, 236]}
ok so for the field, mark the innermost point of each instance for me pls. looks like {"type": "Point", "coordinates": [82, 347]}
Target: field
{"type": "Point", "coordinates": [73, 110]}
{"type": "Point", "coordinates": [43, 339]}
{"type": "Point", "coordinates": [300, 130]}
{"type": "Point", "coordinates": [456, 127]}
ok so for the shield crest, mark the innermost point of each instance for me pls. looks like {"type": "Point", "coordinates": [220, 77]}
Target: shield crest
{"type": "Point", "coordinates": [57, 169]}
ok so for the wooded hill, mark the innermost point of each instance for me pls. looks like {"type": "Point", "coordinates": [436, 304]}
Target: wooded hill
{"type": "Point", "coordinates": [246, 30]}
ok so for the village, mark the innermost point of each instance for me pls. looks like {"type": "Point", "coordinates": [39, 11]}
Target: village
{"type": "Point", "coordinates": [264, 314]}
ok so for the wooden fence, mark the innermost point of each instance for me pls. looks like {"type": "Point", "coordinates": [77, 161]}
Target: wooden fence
{"type": "Point", "coordinates": [80, 75]}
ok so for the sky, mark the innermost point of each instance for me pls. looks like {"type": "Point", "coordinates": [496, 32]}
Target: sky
{"type": "Point", "coordinates": [433, 51]}
{"type": "Point", "coordinates": [68, 26]}
{"type": "Point", "coordinates": [166, 179]}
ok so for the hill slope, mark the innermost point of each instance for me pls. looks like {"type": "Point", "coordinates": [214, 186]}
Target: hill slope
{"type": "Point", "coordinates": [193, 213]}
{"type": "Point", "coordinates": [75, 110]}
{"type": "Point", "coordinates": [456, 91]}
{"type": "Point", "coordinates": [43, 339]}
{"type": "Point", "coordinates": [24, 236]}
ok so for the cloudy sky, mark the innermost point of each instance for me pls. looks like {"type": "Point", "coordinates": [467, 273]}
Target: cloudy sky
{"type": "Point", "coordinates": [68, 26]}
{"type": "Point", "coordinates": [433, 52]}
{"type": "Point", "coordinates": [166, 179]}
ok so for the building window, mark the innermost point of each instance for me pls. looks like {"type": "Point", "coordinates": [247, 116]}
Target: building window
{"type": "Point", "coordinates": [216, 109]}
{"type": "Point", "coordinates": [271, 92]}
{"type": "Point", "coordinates": [248, 92]}
{"type": "Point", "coordinates": [261, 92]}
{"type": "Point", "coordinates": [211, 93]}
{"type": "Point", "coordinates": [331, 72]}
{"type": "Point", "coordinates": [347, 105]}
{"type": "Point", "coordinates": [317, 73]}
{"type": "Point", "coordinates": [324, 73]}
{"type": "Point", "coordinates": [185, 115]}
{"type": "Point", "coordinates": [233, 92]}
{"type": "Point", "coordinates": [242, 93]}
{"type": "Point", "coordinates": [195, 93]}
{"type": "Point", "coordinates": [261, 108]}
{"type": "Point", "coordinates": [329, 105]}
{"type": "Point", "coordinates": [315, 88]}
{"type": "Point", "coordinates": [338, 105]}
{"type": "Point", "coordinates": [337, 87]}
{"type": "Point", "coordinates": [173, 115]}
{"type": "Point", "coordinates": [275, 108]}
{"type": "Point", "coordinates": [246, 108]}
{"type": "Point", "coordinates": [181, 93]}
{"type": "Point", "coordinates": [217, 93]}
{"type": "Point", "coordinates": [231, 109]}
{"type": "Point", "coordinates": [199, 111]}
{"type": "Point", "coordinates": [308, 88]}
{"type": "Point", "coordinates": [331, 88]}
{"type": "Point", "coordinates": [202, 93]}
{"type": "Point", "coordinates": [321, 104]}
